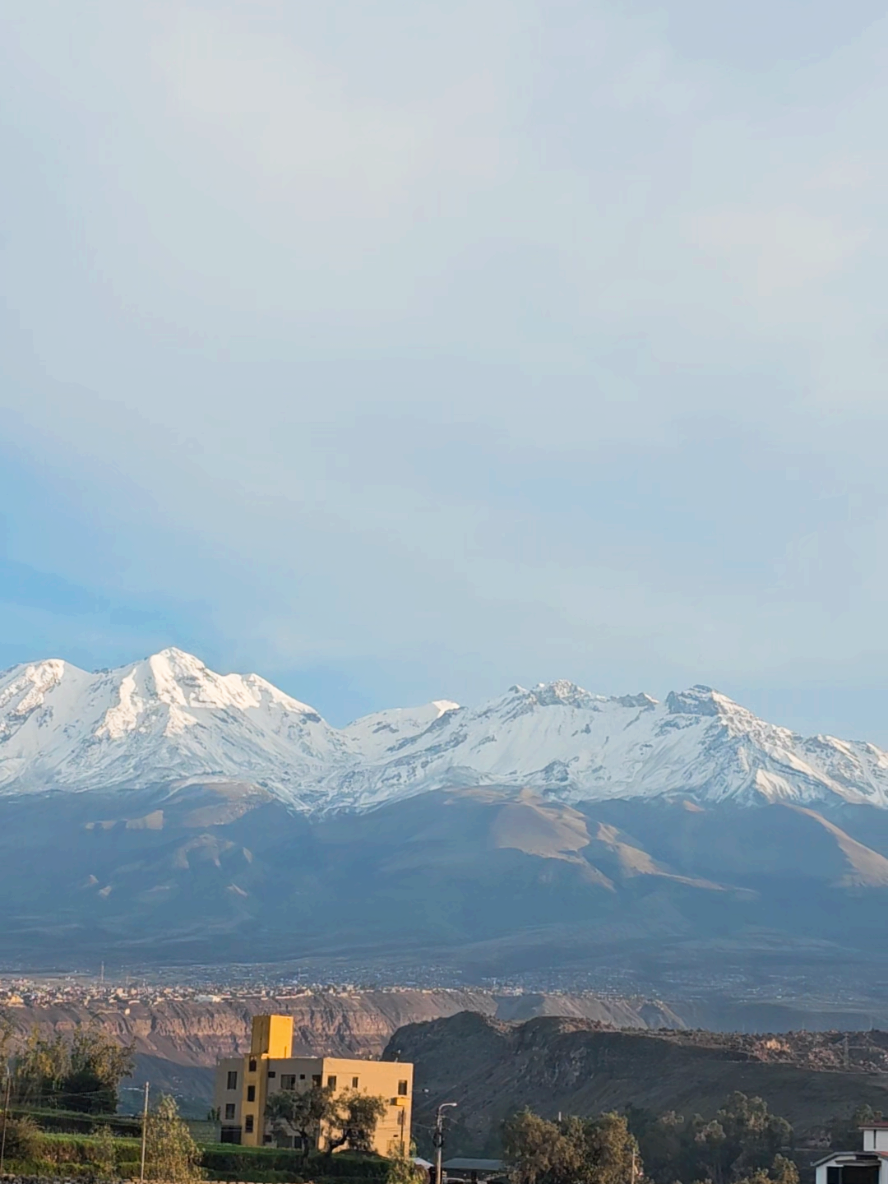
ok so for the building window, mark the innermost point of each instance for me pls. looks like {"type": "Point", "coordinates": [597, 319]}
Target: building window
{"type": "Point", "coordinates": [288, 1081]}
{"type": "Point", "coordinates": [248, 1124]}
{"type": "Point", "coordinates": [354, 1083]}
{"type": "Point", "coordinates": [316, 1079]}
{"type": "Point", "coordinates": [252, 1064]}
{"type": "Point", "coordinates": [232, 1079]}
{"type": "Point", "coordinates": [833, 1175]}
{"type": "Point", "coordinates": [251, 1093]}
{"type": "Point", "coordinates": [272, 1073]}
{"type": "Point", "coordinates": [402, 1089]}
{"type": "Point", "coordinates": [302, 1078]}
{"type": "Point", "coordinates": [229, 1109]}
{"type": "Point", "coordinates": [331, 1082]}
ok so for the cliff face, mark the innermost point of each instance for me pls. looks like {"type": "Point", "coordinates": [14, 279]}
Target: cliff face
{"type": "Point", "coordinates": [178, 1043]}
{"type": "Point", "coordinates": [491, 1069]}
{"type": "Point", "coordinates": [356, 1024]}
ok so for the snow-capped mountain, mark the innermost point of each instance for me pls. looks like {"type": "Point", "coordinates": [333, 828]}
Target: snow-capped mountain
{"type": "Point", "coordinates": [169, 718]}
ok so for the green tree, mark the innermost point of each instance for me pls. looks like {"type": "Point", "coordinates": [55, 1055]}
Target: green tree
{"type": "Point", "coordinates": [96, 1067]}
{"type": "Point", "coordinates": [598, 1150]}
{"type": "Point", "coordinates": [40, 1068]}
{"type": "Point", "coordinates": [783, 1171]}
{"type": "Point", "coordinates": [24, 1142]}
{"type": "Point", "coordinates": [7, 1035]}
{"type": "Point", "coordinates": [739, 1143]}
{"type": "Point", "coordinates": [529, 1146]}
{"type": "Point", "coordinates": [171, 1154]}
{"type": "Point", "coordinates": [402, 1170]}
{"type": "Point", "coordinates": [845, 1132]}
{"type": "Point", "coordinates": [81, 1074]}
{"type": "Point", "coordinates": [104, 1153]}
{"type": "Point", "coordinates": [302, 1115]}
{"type": "Point", "coordinates": [357, 1116]}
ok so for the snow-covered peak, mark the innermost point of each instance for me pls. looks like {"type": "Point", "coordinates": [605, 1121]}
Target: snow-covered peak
{"type": "Point", "coordinates": [374, 735]}
{"type": "Point", "coordinates": [169, 717]}
{"type": "Point", "coordinates": [701, 700]}
{"type": "Point", "coordinates": [564, 693]}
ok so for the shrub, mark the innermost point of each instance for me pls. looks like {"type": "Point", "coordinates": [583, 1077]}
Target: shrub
{"type": "Point", "coordinates": [23, 1139]}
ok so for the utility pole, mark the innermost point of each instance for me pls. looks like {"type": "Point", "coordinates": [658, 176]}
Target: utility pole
{"type": "Point", "coordinates": [144, 1134]}
{"type": "Point", "coordinates": [438, 1140]}
{"type": "Point", "coordinates": [5, 1113]}
{"type": "Point", "coordinates": [402, 1116]}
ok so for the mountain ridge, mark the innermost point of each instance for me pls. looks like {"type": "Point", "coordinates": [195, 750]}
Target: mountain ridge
{"type": "Point", "coordinates": [169, 718]}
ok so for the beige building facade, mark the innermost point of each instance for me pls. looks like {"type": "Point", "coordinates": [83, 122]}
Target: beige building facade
{"type": "Point", "coordinates": [245, 1084]}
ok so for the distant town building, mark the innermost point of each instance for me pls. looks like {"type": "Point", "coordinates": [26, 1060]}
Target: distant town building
{"type": "Point", "coordinates": [867, 1166]}
{"type": "Point", "coordinates": [245, 1084]}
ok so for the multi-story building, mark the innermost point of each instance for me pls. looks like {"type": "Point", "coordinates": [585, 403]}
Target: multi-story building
{"type": "Point", "coordinates": [245, 1084]}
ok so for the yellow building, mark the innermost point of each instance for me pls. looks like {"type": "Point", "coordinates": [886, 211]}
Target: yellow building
{"type": "Point", "coordinates": [245, 1084]}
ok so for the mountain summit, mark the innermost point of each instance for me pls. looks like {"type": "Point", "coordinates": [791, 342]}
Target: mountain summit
{"type": "Point", "coordinates": [169, 718]}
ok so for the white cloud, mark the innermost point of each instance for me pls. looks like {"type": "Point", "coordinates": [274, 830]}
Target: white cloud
{"type": "Point", "coordinates": [490, 328]}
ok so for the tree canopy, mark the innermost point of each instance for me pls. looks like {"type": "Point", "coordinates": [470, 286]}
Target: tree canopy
{"type": "Point", "coordinates": [81, 1073]}
{"type": "Point", "coordinates": [301, 1114]}
{"type": "Point", "coordinates": [742, 1141]}
{"type": "Point", "coordinates": [318, 1113]}
{"type": "Point", "coordinates": [171, 1154]}
{"type": "Point", "coordinates": [573, 1151]}
{"type": "Point", "coordinates": [741, 1144]}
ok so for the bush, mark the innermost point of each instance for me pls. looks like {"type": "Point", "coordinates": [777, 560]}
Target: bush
{"type": "Point", "coordinates": [100, 1156]}
{"type": "Point", "coordinates": [23, 1139]}
{"type": "Point", "coordinates": [228, 1161]}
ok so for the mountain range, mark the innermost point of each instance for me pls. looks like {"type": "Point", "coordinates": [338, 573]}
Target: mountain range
{"type": "Point", "coordinates": [169, 718]}
{"type": "Point", "coordinates": [162, 813]}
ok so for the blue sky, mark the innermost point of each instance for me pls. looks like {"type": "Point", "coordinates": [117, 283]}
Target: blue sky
{"type": "Point", "coordinates": [412, 350]}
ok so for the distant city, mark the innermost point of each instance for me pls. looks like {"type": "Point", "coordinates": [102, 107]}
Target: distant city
{"type": "Point", "coordinates": [211, 984]}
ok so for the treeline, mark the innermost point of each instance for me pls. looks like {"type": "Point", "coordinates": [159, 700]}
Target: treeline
{"type": "Point", "coordinates": [743, 1144]}
{"type": "Point", "coordinates": [81, 1072]}
{"type": "Point", "coordinates": [171, 1154]}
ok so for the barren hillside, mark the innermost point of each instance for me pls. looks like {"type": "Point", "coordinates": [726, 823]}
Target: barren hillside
{"type": "Point", "coordinates": [491, 1068]}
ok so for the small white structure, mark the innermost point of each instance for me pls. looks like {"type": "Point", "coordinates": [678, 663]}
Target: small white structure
{"type": "Point", "coordinates": [867, 1166]}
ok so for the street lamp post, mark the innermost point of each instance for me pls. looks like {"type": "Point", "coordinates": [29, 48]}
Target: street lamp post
{"type": "Point", "coordinates": [439, 1140]}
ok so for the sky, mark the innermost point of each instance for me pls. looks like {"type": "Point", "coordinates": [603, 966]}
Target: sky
{"type": "Point", "coordinates": [402, 351]}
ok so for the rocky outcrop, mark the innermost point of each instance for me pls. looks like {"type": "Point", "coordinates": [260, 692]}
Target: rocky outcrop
{"type": "Point", "coordinates": [492, 1068]}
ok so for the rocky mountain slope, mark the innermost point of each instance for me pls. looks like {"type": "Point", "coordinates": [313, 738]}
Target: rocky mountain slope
{"type": "Point", "coordinates": [482, 882]}
{"type": "Point", "coordinates": [168, 719]}
{"type": "Point", "coordinates": [491, 1069]}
